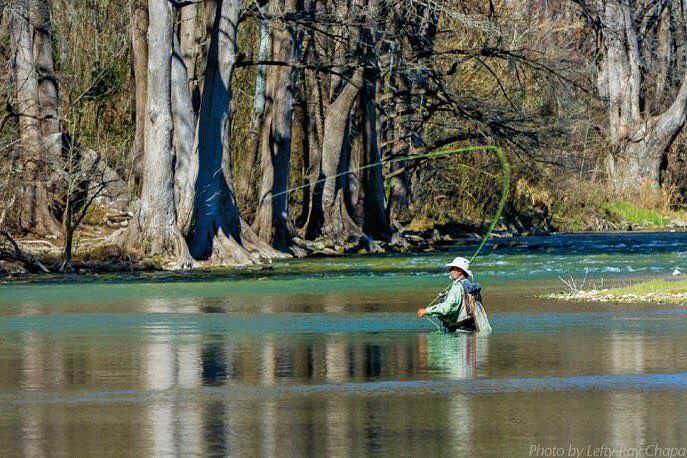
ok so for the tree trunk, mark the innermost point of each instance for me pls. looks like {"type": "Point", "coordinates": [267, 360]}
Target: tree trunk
{"type": "Point", "coordinates": [315, 217]}
{"type": "Point", "coordinates": [639, 162]}
{"type": "Point", "coordinates": [186, 164]}
{"type": "Point", "coordinates": [375, 219]}
{"type": "Point", "coordinates": [67, 247]}
{"type": "Point", "coordinates": [45, 68]}
{"type": "Point", "coordinates": [664, 56]}
{"type": "Point", "coordinates": [300, 147]}
{"type": "Point", "coordinates": [33, 204]}
{"type": "Point", "coordinates": [139, 45]}
{"type": "Point", "coordinates": [399, 189]}
{"type": "Point", "coordinates": [259, 99]}
{"type": "Point", "coordinates": [189, 50]}
{"type": "Point", "coordinates": [338, 226]}
{"type": "Point", "coordinates": [154, 229]}
{"type": "Point", "coordinates": [246, 179]}
{"type": "Point", "coordinates": [271, 222]}
{"type": "Point", "coordinates": [376, 222]}
{"type": "Point", "coordinates": [218, 232]}
{"type": "Point", "coordinates": [408, 121]}
{"type": "Point", "coordinates": [640, 139]}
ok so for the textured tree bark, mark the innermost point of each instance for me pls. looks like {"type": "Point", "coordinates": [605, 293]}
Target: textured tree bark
{"type": "Point", "coordinates": [404, 143]}
{"type": "Point", "coordinates": [186, 163]}
{"type": "Point", "coordinates": [408, 121]}
{"type": "Point", "coordinates": [338, 226]}
{"type": "Point", "coordinates": [315, 119]}
{"type": "Point", "coordinates": [45, 68]}
{"type": "Point", "coordinates": [300, 147]}
{"type": "Point", "coordinates": [261, 77]}
{"type": "Point", "coordinates": [154, 229]}
{"type": "Point", "coordinates": [139, 45]}
{"type": "Point", "coordinates": [375, 219]}
{"type": "Point", "coordinates": [33, 204]}
{"type": "Point", "coordinates": [189, 49]}
{"type": "Point", "coordinates": [664, 55]}
{"type": "Point", "coordinates": [376, 222]}
{"type": "Point", "coordinates": [218, 232]}
{"type": "Point", "coordinates": [246, 179]}
{"type": "Point", "coordinates": [640, 139]}
{"type": "Point", "coordinates": [271, 222]}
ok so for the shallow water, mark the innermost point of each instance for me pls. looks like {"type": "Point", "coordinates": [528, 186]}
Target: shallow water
{"type": "Point", "coordinates": [325, 356]}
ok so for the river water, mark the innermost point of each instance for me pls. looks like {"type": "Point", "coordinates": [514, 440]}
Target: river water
{"type": "Point", "coordinates": [325, 357]}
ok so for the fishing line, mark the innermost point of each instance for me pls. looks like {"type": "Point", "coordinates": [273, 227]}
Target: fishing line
{"type": "Point", "coordinates": [505, 189]}
{"type": "Point", "coordinates": [505, 179]}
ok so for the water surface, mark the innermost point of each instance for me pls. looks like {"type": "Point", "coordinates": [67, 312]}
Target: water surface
{"type": "Point", "coordinates": [325, 356]}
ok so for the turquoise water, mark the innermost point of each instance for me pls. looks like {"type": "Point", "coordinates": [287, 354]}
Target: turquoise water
{"type": "Point", "coordinates": [325, 357]}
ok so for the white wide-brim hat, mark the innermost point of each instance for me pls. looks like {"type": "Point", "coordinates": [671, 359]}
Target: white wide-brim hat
{"type": "Point", "coordinates": [462, 263]}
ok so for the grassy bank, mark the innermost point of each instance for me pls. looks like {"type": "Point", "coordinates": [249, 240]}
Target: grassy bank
{"type": "Point", "coordinates": [656, 290]}
{"type": "Point", "coordinates": [610, 215]}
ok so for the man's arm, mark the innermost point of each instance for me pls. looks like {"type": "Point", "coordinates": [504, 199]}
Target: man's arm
{"type": "Point", "coordinates": [453, 299]}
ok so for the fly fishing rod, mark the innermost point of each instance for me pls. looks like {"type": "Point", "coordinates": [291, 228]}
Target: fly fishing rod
{"type": "Point", "coordinates": [505, 187]}
{"type": "Point", "coordinates": [505, 190]}
{"type": "Point", "coordinates": [500, 153]}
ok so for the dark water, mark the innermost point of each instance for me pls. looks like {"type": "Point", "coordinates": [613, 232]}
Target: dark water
{"type": "Point", "coordinates": [325, 357]}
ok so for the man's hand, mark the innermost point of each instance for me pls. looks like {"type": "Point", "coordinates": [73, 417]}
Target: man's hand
{"type": "Point", "coordinates": [421, 312]}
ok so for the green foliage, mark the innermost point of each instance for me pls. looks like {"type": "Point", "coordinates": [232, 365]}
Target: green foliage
{"type": "Point", "coordinates": [632, 214]}
{"type": "Point", "coordinates": [653, 286]}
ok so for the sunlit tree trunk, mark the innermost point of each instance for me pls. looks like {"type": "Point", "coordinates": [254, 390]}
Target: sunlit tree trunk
{"type": "Point", "coordinates": [189, 48]}
{"type": "Point", "coordinates": [640, 139]}
{"type": "Point", "coordinates": [154, 229]}
{"type": "Point", "coordinates": [139, 45]}
{"type": "Point", "coordinates": [47, 80]}
{"type": "Point", "coordinates": [338, 225]}
{"type": "Point", "coordinates": [245, 182]}
{"type": "Point", "coordinates": [184, 119]}
{"type": "Point", "coordinates": [271, 220]}
{"type": "Point", "coordinates": [36, 102]}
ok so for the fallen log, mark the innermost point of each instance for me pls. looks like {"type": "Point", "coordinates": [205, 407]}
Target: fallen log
{"type": "Point", "coordinates": [16, 254]}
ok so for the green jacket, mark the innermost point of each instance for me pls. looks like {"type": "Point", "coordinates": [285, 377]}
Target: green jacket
{"type": "Point", "coordinates": [449, 309]}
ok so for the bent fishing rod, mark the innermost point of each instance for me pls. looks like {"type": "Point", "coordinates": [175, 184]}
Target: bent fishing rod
{"type": "Point", "coordinates": [505, 188]}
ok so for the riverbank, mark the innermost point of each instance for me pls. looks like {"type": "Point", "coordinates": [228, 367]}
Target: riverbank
{"type": "Point", "coordinates": [95, 253]}
{"type": "Point", "coordinates": [661, 291]}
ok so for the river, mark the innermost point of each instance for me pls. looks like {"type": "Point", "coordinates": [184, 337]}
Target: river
{"type": "Point", "coordinates": [326, 357]}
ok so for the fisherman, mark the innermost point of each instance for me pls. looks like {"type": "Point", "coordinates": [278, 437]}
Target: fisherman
{"type": "Point", "coordinates": [461, 308]}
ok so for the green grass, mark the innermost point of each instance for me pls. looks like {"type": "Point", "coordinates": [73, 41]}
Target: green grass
{"type": "Point", "coordinates": [666, 287]}
{"type": "Point", "coordinates": [631, 213]}
{"type": "Point", "coordinates": [599, 213]}
{"type": "Point", "coordinates": [651, 291]}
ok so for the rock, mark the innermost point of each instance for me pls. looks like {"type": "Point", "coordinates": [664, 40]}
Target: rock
{"type": "Point", "coordinates": [318, 245]}
{"type": "Point", "coordinates": [298, 252]}
{"type": "Point", "coordinates": [12, 268]}
{"type": "Point", "coordinates": [436, 237]}
{"type": "Point", "coordinates": [414, 239]}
